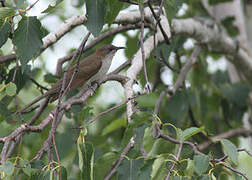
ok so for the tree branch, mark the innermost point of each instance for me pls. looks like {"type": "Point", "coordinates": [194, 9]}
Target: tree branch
{"type": "Point", "coordinates": [148, 47]}
{"type": "Point", "coordinates": [225, 135]}
{"type": "Point", "coordinates": [217, 41]}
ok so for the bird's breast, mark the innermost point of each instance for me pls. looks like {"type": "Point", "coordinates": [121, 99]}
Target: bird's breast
{"type": "Point", "coordinates": [106, 62]}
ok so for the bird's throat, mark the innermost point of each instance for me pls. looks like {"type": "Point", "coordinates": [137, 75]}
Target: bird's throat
{"type": "Point", "coordinates": [106, 63]}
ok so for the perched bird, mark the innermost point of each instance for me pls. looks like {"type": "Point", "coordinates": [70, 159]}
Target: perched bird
{"type": "Point", "coordinates": [90, 69]}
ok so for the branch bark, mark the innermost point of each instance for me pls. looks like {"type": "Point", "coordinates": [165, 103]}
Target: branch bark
{"type": "Point", "coordinates": [148, 46]}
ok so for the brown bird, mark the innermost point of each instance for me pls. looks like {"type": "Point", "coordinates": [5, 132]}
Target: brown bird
{"type": "Point", "coordinates": [90, 69]}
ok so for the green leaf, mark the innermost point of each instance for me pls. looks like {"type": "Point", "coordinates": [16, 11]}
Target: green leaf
{"type": "Point", "coordinates": [237, 177]}
{"type": "Point", "coordinates": [78, 4]}
{"type": "Point", "coordinates": [177, 43]}
{"type": "Point", "coordinates": [114, 125]}
{"type": "Point", "coordinates": [148, 101]}
{"type": "Point", "coordinates": [21, 77]}
{"type": "Point", "coordinates": [139, 133]}
{"type": "Point", "coordinates": [63, 173]}
{"type": "Point", "coordinates": [4, 112]}
{"type": "Point", "coordinates": [230, 149]}
{"type": "Point", "coordinates": [148, 139]}
{"type": "Point", "coordinates": [228, 23]}
{"type": "Point", "coordinates": [96, 10]}
{"type": "Point", "coordinates": [175, 177]}
{"type": "Point", "coordinates": [2, 95]}
{"type": "Point", "coordinates": [190, 132]}
{"type": "Point", "coordinates": [38, 164]}
{"type": "Point", "coordinates": [129, 169]}
{"type": "Point", "coordinates": [21, 4]}
{"type": "Point", "coordinates": [131, 44]}
{"type": "Point", "coordinates": [7, 167]}
{"type": "Point", "coordinates": [50, 78]}
{"type": "Point", "coordinates": [179, 133]}
{"type": "Point", "coordinates": [213, 176]}
{"type": "Point", "coordinates": [27, 167]}
{"type": "Point", "coordinates": [2, 87]}
{"type": "Point", "coordinates": [145, 171]}
{"type": "Point", "coordinates": [136, 126]}
{"type": "Point", "coordinates": [80, 143]}
{"type": "Point", "coordinates": [87, 171]}
{"type": "Point", "coordinates": [158, 168]}
{"type": "Point", "coordinates": [5, 29]}
{"type": "Point", "coordinates": [11, 89]}
{"type": "Point", "coordinates": [172, 7]}
{"type": "Point", "coordinates": [86, 158]}
{"type": "Point", "coordinates": [201, 163]}
{"type": "Point", "coordinates": [6, 12]}
{"type": "Point", "coordinates": [204, 177]}
{"type": "Point", "coordinates": [225, 106]}
{"type": "Point", "coordinates": [220, 77]}
{"type": "Point", "coordinates": [114, 8]}
{"type": "Point", "coordinates": [236, 93]}
{"type": "Point", "coordinates": [177, 106]}
{"type": "Point", "coordinates": [85, 115]}
{"type": "Point", "coordinates": [103, 165]}
{"type": "Point", "coordinates": [28, 38]}
{"type": "Point", "coordinates": [53, 8]}
{"type": "Point", "coordinates": [138, 120]}
{"type": "Point", "coordinates": [190, 168]}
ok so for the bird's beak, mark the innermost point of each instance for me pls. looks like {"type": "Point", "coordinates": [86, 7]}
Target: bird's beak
{"type": "Point", "coordinates": [117, 48]}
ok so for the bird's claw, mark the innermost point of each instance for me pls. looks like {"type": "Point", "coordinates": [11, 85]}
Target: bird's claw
{"type": "Point", "coordinates": [91, 87]}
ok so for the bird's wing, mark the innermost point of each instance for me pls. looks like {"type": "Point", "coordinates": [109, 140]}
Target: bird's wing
{"type": "Point", "coordinates": [84, 73]}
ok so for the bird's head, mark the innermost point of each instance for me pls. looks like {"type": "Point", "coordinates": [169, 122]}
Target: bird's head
{"type": "Point", "coordinates": [108, 50]}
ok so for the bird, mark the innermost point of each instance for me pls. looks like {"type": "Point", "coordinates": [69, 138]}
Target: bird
{"type": "Point", "coordinates": [90, 69]}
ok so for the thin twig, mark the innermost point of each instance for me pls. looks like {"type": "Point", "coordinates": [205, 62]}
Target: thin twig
{"type": "Point", "coordinates": [160, 8]}
{"type": "Point", "coordinates": [37, 84]}
{"type": "Point", "coordinates": [63, 91]}
{"type": "Point", "coordinates": [162, 59]}
{"type": "Point", "coordinates": [147, 85]}
{"type": "Point", "coordinates": [112, 108]}
{"type": "Point", "coordinates": [126, 150]}
{"type": "Point", "coordinates": [174, 163]}
{"type": "Point", "coordinates": [3, 3]}
{"type": "Point", "coordinates": [54, 145]}
{"type": "Point", "coordinates": [186, 68]}
{"type": "Point", "coordinates": [180, 78]}
{"type": "Point", "coordinates": [122, 66]}
{"type": "Point", "coordinates": [159, 101]}
{"type": "Point", "coordinates": [157, 18]}
{"type": "Point", "coordinates": [13, 80]}
{"type": "Point", "coordinates": [65, 87]}
{"type": "Point", "coordinates": [80, 98]}
{"type": "Point", "coordinates": [31, 6]}
{"type": "Point", "coordinates": [130, 2]}
{"type": "Point", "coordinates": [194, 146]}
{"type": "Point", "coordinates": [245, 150]}
{"type": "Point", "coordinates": [234, 170]}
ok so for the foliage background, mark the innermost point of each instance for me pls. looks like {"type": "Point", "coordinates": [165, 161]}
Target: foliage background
{"type": "Point", "coordinates": [208, 103]}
